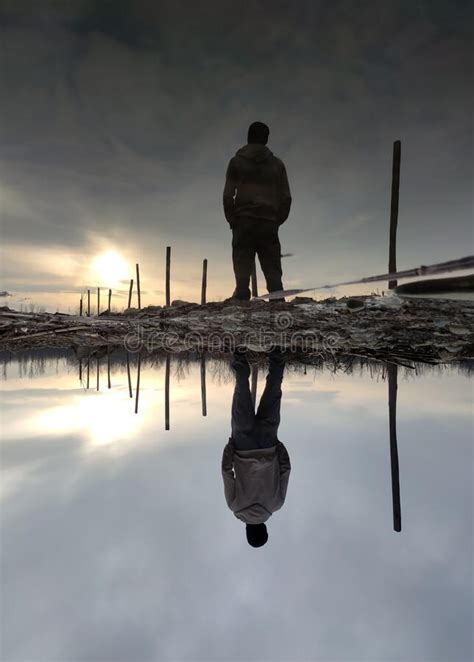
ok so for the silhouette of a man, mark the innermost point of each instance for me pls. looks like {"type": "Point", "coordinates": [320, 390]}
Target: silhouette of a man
{"type": "Point", "coordinates": [255, 464]}
{"type": "Point", "coordinates": [257, 201]}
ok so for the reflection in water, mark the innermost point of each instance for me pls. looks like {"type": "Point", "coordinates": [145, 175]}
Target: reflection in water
{"type": "Point", "coordinates": [255, 464]}
{"type": "Point", "coordinates": [104, 510]}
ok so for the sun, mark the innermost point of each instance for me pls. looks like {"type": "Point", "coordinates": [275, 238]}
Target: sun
{"type": "Point", "coordinates": [110, 267]}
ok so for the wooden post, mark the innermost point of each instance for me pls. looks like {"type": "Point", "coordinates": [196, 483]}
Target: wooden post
{"type": "Point", "coordinates": [392, 248]}
{"type": "Point", "coordinates": [138, 383]}
{"type": "Point", "coordinates": [204, 282]}
{"type": "Point", "coordinates": [138, 287]}
{"type": "Point", "coordinates": [167, 393]}
{"type": "Point", "coordinates": [254, 384]}
{"type": "Point", "coordinates": [392, 417]}
{"type": "Point", "coordinates": [80, 371]}
{"type": "Point", "coordinates": [254, 280]}
{"type": "Point", "coordinates": [203, 385]}
{"type": "Point", "coordinates": [98, 301]}
{"type": "Point", "coordinates": [110, 300]}
{"type": "Point", "coordinates": [88, 303]}
{"type": "Point", "coordinates": [109, 384]}
{"type": "Point", "coordinates": [130, 392]}
{"type": "Point", "coordinates": [80, 307]}
{"type": "Point", "coordinates": [168, 272]}
{"type": "Point", "coordinates": [130, 293]}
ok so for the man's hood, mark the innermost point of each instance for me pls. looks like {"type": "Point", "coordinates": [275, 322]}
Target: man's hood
{"type": "Point", "coordinates": [254, 152]}
{"type": "Point", "coordinates": [253, 514]}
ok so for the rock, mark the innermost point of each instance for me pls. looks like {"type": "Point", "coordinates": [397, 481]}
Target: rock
{"type": "Point", "coordinates": [298, 300]}
{"type": "Point", "coordinates": [179, 302]}
{"type": "Point", "coordinates": [355, 304]}
{"type": "Point", "coordinates": [131, 311]}
{"type": "Point", "coordinates": [459, 330]}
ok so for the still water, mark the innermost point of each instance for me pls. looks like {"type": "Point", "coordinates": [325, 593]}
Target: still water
{"type": "Point", "coordinates": [117, 542]}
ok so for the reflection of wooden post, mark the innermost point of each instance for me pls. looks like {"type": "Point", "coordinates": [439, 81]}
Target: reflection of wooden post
{"type": "Point", "coordinates": [254, 280]}
{"type": "Point", "coordinates": [203, 385]}
{"type": "Point", "coordinates": [204, 282]}
{"type": "Point", "coordinates": [254, 384]}
{"type": "Point", "coordinates": [88, 370]}
{"type": "Point", "coordinates": [138, 287]}
{"type": "Point", "coordinates": [110, 300]}
{"type": "Point", "coordinates": [392, 414]}
{"type": "Point", "coordinates": [80, 307]}
{"type": "Point", "coordinates": [130, 293]}
{"type": "Point", "coordinates": [80, 371]}
{"type": "Point", "coordinates": [129, 377]}
{"type": "Point", "coordinates": [392, 248]}
{"type": "Point", "coordinates": [109, 384]}
{"type": "Point", "coordinates": [88, 303]}
{"type": "Point", "coordinates": [138, 383]}
{"type": "Point", "coordinates": [168, 274]}
{"type": "Point", "coordinates": [98, 373]}
{"type": "Point", "coordinates": [98, 300]}
{"type": "Point", "coordinates": [167, 393]}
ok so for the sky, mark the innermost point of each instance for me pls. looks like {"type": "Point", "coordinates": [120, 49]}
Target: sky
{"type": "Point", "coordinates": [118, 120]}
{"type": "Point", "coordinates": [117, 543]}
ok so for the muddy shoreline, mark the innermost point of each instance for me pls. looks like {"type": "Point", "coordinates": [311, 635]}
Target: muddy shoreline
{"type": "Point", "coordinates": [387, 329]}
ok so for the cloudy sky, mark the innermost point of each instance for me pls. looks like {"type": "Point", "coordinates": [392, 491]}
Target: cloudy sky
{"type": "Point", "coordinates": [118, 120]}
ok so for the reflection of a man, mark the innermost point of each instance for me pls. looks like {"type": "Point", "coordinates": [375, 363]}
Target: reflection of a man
{"type": "Point", "coordinates": [255, 464]}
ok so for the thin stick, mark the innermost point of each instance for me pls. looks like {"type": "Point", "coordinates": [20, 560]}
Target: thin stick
{"type": "Point", "coordinates": [130, 293]}
{"type": "Point", "coordinates": [392, 415]}
{"type": "Point", "coordinates": [110, 300]}
{"type": "Point", "coordinates": [168, 275]}
{"type": "Point", "coordinates": [167, 393]}
{"type": "Point", "coordinates": [80, 371]}
{"type": "Point", "coordinates": [130, 393]}
{"type": "Point", "coordinates": [138, 287]}
{"type": "Point", "coordinates": [442, 267]}
{"type": "Point", "coordinates": [138, 383]}
{"type": "Point", "coordinates": [98, 301]}
{"type": "Point", "coordinates": [254, 280]}
{"type": "Point", "coordinates": [88, 303]}
{"type": "Point", "coordinates": [392, 248]}
{"type": "Point", "coordinates": [254, 384]}
{"type": "Point", "coordinates": [204, 282]}
{"type": "Point", "coordinates": [109, 384]}
{"type": "Point", "coordinates": [80, 307]}
{"type": "Point", "coordinates": [203, 385]}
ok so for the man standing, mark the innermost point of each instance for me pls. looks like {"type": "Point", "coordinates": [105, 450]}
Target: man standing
{"type": "Point", "coordinates": [257, 201]}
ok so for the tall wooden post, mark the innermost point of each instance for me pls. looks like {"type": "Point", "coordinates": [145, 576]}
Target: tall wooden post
{"type": "Point", "coordinates": [392, 417]}
{"type": "Point", "coordinates": [204, 282]}
{"type": "Point", "coordinates": [110, 300]}
{"type": "Point", "coordinates": [88, 303]}
{"type": "Point", "coordinates": [254, 280]}
{"type": "Point", "coordinates": [392, 248]}
{"type": "Point", "coordinates": [137, 393]}
{"type": "Point", "coordinates": [98, 301]}
{"type": "Point", "coordinates": [130, 392]}
{"type": "Point", "coordinates": [167, 393]}
{"type": "Point", "coordinates": [138, 288]}
{"type": "Point", "coordinates": [203, 385]}
{"type": "Point", "coordinates": [168, 272]}
{"type": "Point", "coordinates": [130, 293]}
{"type": "Point", "coordinates": [80, 307]}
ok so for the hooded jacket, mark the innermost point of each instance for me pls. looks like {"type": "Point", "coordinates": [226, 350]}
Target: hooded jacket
{"type": "Point", "coordinates": [255, 481]}
{"type": "Point", "coordinates": [256, 186]}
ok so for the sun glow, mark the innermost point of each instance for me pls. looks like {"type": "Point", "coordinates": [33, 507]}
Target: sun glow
{"type": "Point", "coordinates": [110, 267]}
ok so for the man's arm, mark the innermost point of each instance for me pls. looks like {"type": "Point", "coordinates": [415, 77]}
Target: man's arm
{"type": "Point", "coordinates": [228, 472]}
{"type": "Point", "coordinates": [285, 199]}
{"type": "Point", "coordinates": [285, 469]}
{"type": "Point", "coordinates": [229, 191]}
